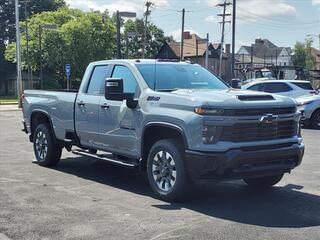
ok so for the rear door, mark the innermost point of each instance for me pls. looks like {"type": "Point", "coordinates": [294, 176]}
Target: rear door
{"type": "Point", "coordinates": [87, 107]}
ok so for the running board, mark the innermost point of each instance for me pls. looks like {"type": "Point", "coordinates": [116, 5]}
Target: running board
{"type": "Point", "coordinates": [104, 158]}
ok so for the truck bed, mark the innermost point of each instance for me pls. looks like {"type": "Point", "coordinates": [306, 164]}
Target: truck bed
{"type": "Point", "coordinates": [57, 104]}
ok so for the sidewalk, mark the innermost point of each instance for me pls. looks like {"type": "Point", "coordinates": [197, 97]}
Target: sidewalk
{"type": "Point", "coordinates": [9, 107]}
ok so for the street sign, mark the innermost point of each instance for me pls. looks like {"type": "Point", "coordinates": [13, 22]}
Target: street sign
{"type": "Point", "coordinates": [68, 73]}
{"type": "Point", "coordinates": [128, 14]}
{"type": "Point", "coordinates": [68, 70]}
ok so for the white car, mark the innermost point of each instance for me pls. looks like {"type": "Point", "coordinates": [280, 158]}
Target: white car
{"type": "Point", "coordinates": [288, 88]}
{"type": "Point", "coordinates": [309, 106]}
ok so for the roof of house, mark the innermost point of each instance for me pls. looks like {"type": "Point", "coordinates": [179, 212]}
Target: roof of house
{"type": "Point", "coordinates": [189, 46]}
{"type": "Point", "coordinates": [265, 48]}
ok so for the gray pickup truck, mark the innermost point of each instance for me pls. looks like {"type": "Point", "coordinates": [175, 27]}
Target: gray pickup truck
{"type": "Point", "coordinates": [175, 120]}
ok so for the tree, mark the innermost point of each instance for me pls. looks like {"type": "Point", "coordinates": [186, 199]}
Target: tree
{"type": "Point", "coordinates": [79, 38]}
{"type": "Point", "coordinates": [7, 25]}
{"type": "Point", "coordinates": [302, 55]}
{"type": "Point", "coordinates": [155, 39]}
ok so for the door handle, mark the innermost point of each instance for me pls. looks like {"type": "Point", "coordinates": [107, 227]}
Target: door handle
{"type": "Point", "coordinates": [104, 106]}
{"type": "Point", "coordinates": [81, 103]}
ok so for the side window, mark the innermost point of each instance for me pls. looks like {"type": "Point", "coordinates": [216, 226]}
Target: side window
{"type": "Point", "coordinates": [277, 87]}
{"type": "Point", "coordinates": [129, 81]}
{"type": "Point", "coordinates": [97, 79]}
{"type": "Point", "coordinates": [257, 87]}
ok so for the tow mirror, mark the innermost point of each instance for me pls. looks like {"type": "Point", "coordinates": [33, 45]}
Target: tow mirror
{"type": "Point", "coordinates": [114, 91]}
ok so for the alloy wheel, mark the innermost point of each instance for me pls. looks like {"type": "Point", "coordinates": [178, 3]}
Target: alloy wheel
{"type": "Point", "coordinates": [164, 170]}
{"type": "Point", "coordinates": [41, 145]}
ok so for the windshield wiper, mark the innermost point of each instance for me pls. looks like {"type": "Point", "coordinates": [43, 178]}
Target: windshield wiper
{"type": "Point", "coordinates": [167, 90]}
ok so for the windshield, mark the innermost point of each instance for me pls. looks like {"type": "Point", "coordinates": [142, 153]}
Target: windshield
{"type": "Point", "coordinates": [170, 77]}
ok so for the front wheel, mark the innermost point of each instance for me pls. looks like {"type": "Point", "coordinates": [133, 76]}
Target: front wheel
{"type": "Point", "coordinates": [263, 182]}
{"type": "Point", "coordinates": [166, 170]}
{"type": "Point", "coordinates": [315, 119]}
{"type": "Point", "coordinates": [45, 146]}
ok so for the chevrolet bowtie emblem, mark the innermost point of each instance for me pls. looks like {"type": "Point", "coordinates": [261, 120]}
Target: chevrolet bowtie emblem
{"type": "Point", "coordinates": [269, 118]}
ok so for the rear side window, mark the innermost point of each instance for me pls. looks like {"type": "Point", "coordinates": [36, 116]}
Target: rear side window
{"type": "Point", "coordinates": [257, 87]}
{"type": "Point", "coordinates": [129, 81]}
{"type": "Point", "coordinates": [306, 86]}
{"type": "Point", "coordinates": [277, 87]}
{"type": "Point", "coordinates": [97, 79]}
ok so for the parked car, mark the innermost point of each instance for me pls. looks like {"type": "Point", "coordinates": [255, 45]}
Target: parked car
{"type": "Point", "coordinates": [309, 106]}
{"type": "Point", "coordinates": [288, 88]}
{"type": "Point", "coordinates": [175, 120]}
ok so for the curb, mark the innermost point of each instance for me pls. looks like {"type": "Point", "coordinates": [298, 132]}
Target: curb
{"type": "Point", "coordinates": [8, 103]}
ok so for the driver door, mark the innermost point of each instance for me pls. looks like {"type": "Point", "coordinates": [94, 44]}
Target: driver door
{"type": "Point", "coordinates": [117, 123]}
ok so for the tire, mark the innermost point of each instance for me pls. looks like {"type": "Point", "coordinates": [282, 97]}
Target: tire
{"type": "Point", "coordinates": [166, 170]}
{"type": "Point", "coordinates": [315, 119]}
{"type": "Point", "coordinates": [45, 146]}
{"type": "Point", "coordinates": [263, 182]}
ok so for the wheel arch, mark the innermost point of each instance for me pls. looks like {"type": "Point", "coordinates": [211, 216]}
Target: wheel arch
{"type": "Point", "coordinates": [38, 117]}
{"type": "Point", "coordinates": [155, 131]}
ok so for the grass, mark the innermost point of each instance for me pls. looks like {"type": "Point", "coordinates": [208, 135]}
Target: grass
{"type": "Point", "coordinates": [8, 99]}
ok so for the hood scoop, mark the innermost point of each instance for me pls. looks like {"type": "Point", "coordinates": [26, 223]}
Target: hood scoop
{"type": "Point", "coordinates": [255, 97]}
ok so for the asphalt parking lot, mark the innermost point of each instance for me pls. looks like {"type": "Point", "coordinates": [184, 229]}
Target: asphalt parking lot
{"type": "Point", "coordinates": [83, 198]}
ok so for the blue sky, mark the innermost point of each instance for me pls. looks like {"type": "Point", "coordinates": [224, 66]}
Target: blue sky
{"type": "Point", "coordinates": [282, 21]}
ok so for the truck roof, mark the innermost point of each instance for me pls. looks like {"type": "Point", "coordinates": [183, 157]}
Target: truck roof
{"type": "Point", "coordinates": [141, 61]}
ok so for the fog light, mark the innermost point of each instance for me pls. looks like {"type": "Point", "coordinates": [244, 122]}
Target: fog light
{"type": "Point", "coordinates": [209, 134]}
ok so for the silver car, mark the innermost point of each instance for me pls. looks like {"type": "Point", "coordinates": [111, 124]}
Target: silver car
{"type": "Point", "coordinates": [309, 106]}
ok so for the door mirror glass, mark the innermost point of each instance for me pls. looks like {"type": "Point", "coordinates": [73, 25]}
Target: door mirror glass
{"type": "Point", "coordinates": [114, 91]}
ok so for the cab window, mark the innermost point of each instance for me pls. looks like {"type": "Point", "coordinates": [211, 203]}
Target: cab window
{"type": "Point", "coordinates": [129, 82]}
{"type": "Point", "coordinates": [97, 79]}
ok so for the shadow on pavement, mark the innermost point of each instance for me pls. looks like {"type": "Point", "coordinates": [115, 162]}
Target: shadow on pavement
{"type": "Point", "coordinates": [286, 206]}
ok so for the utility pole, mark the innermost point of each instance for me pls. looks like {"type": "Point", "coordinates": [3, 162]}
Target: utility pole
{"type": "Point", "coordinates": [252, 68]}
{"type": "Point", "coordinates": [182, 35]}
{"type": "Point", "coordinates": [18, 57]}
{"type": "Point", "coordinates": [118, 35]}
{"type": "Point", "coordinates": [197, 51]}
{"type": "Point", "coordinates": [234, 11]}
{"type": "Point", "coordinates": [146, 14]}
{"type": "Point", "coordinates": [207, 52]}
{"type": "Point", "coordinates": [224, 5]}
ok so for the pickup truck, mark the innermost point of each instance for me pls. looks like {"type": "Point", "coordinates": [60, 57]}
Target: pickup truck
{"type": "Point", "coordinates": [175, 120]}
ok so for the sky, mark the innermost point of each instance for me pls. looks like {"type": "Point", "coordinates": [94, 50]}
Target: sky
{"type": "Point", "coordinates": [284, 22]}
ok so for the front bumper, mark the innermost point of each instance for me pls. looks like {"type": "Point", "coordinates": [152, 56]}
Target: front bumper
{"type": "Point", "coordinates": [244, 162]}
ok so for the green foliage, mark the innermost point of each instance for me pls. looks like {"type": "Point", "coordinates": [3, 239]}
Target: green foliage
{"type": "Point", "coordinates": [7, 25]}
{"type": "Point", "coordinates": [79, 39]}
{"type": "Point", "coordinates": [155, 39]}
{"type": "Point", "coordinates": [302, 55]}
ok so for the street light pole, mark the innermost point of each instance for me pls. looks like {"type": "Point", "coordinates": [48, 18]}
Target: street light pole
{"type": "Point", "coordinates": [18, 57]}
{"type": "Point", "coordinates": [40, 56]}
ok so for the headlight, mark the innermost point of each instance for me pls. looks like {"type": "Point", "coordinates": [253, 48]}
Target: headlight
{"type": "Point", "coordinates": [302, 103]}
{"type": "Point", "coordinates": [208, 111]}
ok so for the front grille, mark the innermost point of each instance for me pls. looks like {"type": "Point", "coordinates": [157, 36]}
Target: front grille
{"type": "Point", "coordinates": [259, 111]}
{"type": "Point", "coordinates": [242, 132]}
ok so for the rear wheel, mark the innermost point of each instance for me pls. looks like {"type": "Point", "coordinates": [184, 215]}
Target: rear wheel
{"type": "Point", "coordinates": [315, 119]}
{"type": "Point", "coordinates": [45, 146]}
{"type": "Point", "coordinates": [166, 170]}
{"type": "Point", "coordinates": [263, 182]}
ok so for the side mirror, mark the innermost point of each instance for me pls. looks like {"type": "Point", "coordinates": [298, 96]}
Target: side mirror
{"type": "Point", "coordinates": [114, 91]}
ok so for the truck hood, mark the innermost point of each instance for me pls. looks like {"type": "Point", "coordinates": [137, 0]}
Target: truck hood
{"type": "Point", "coordinates": [234, 98]}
